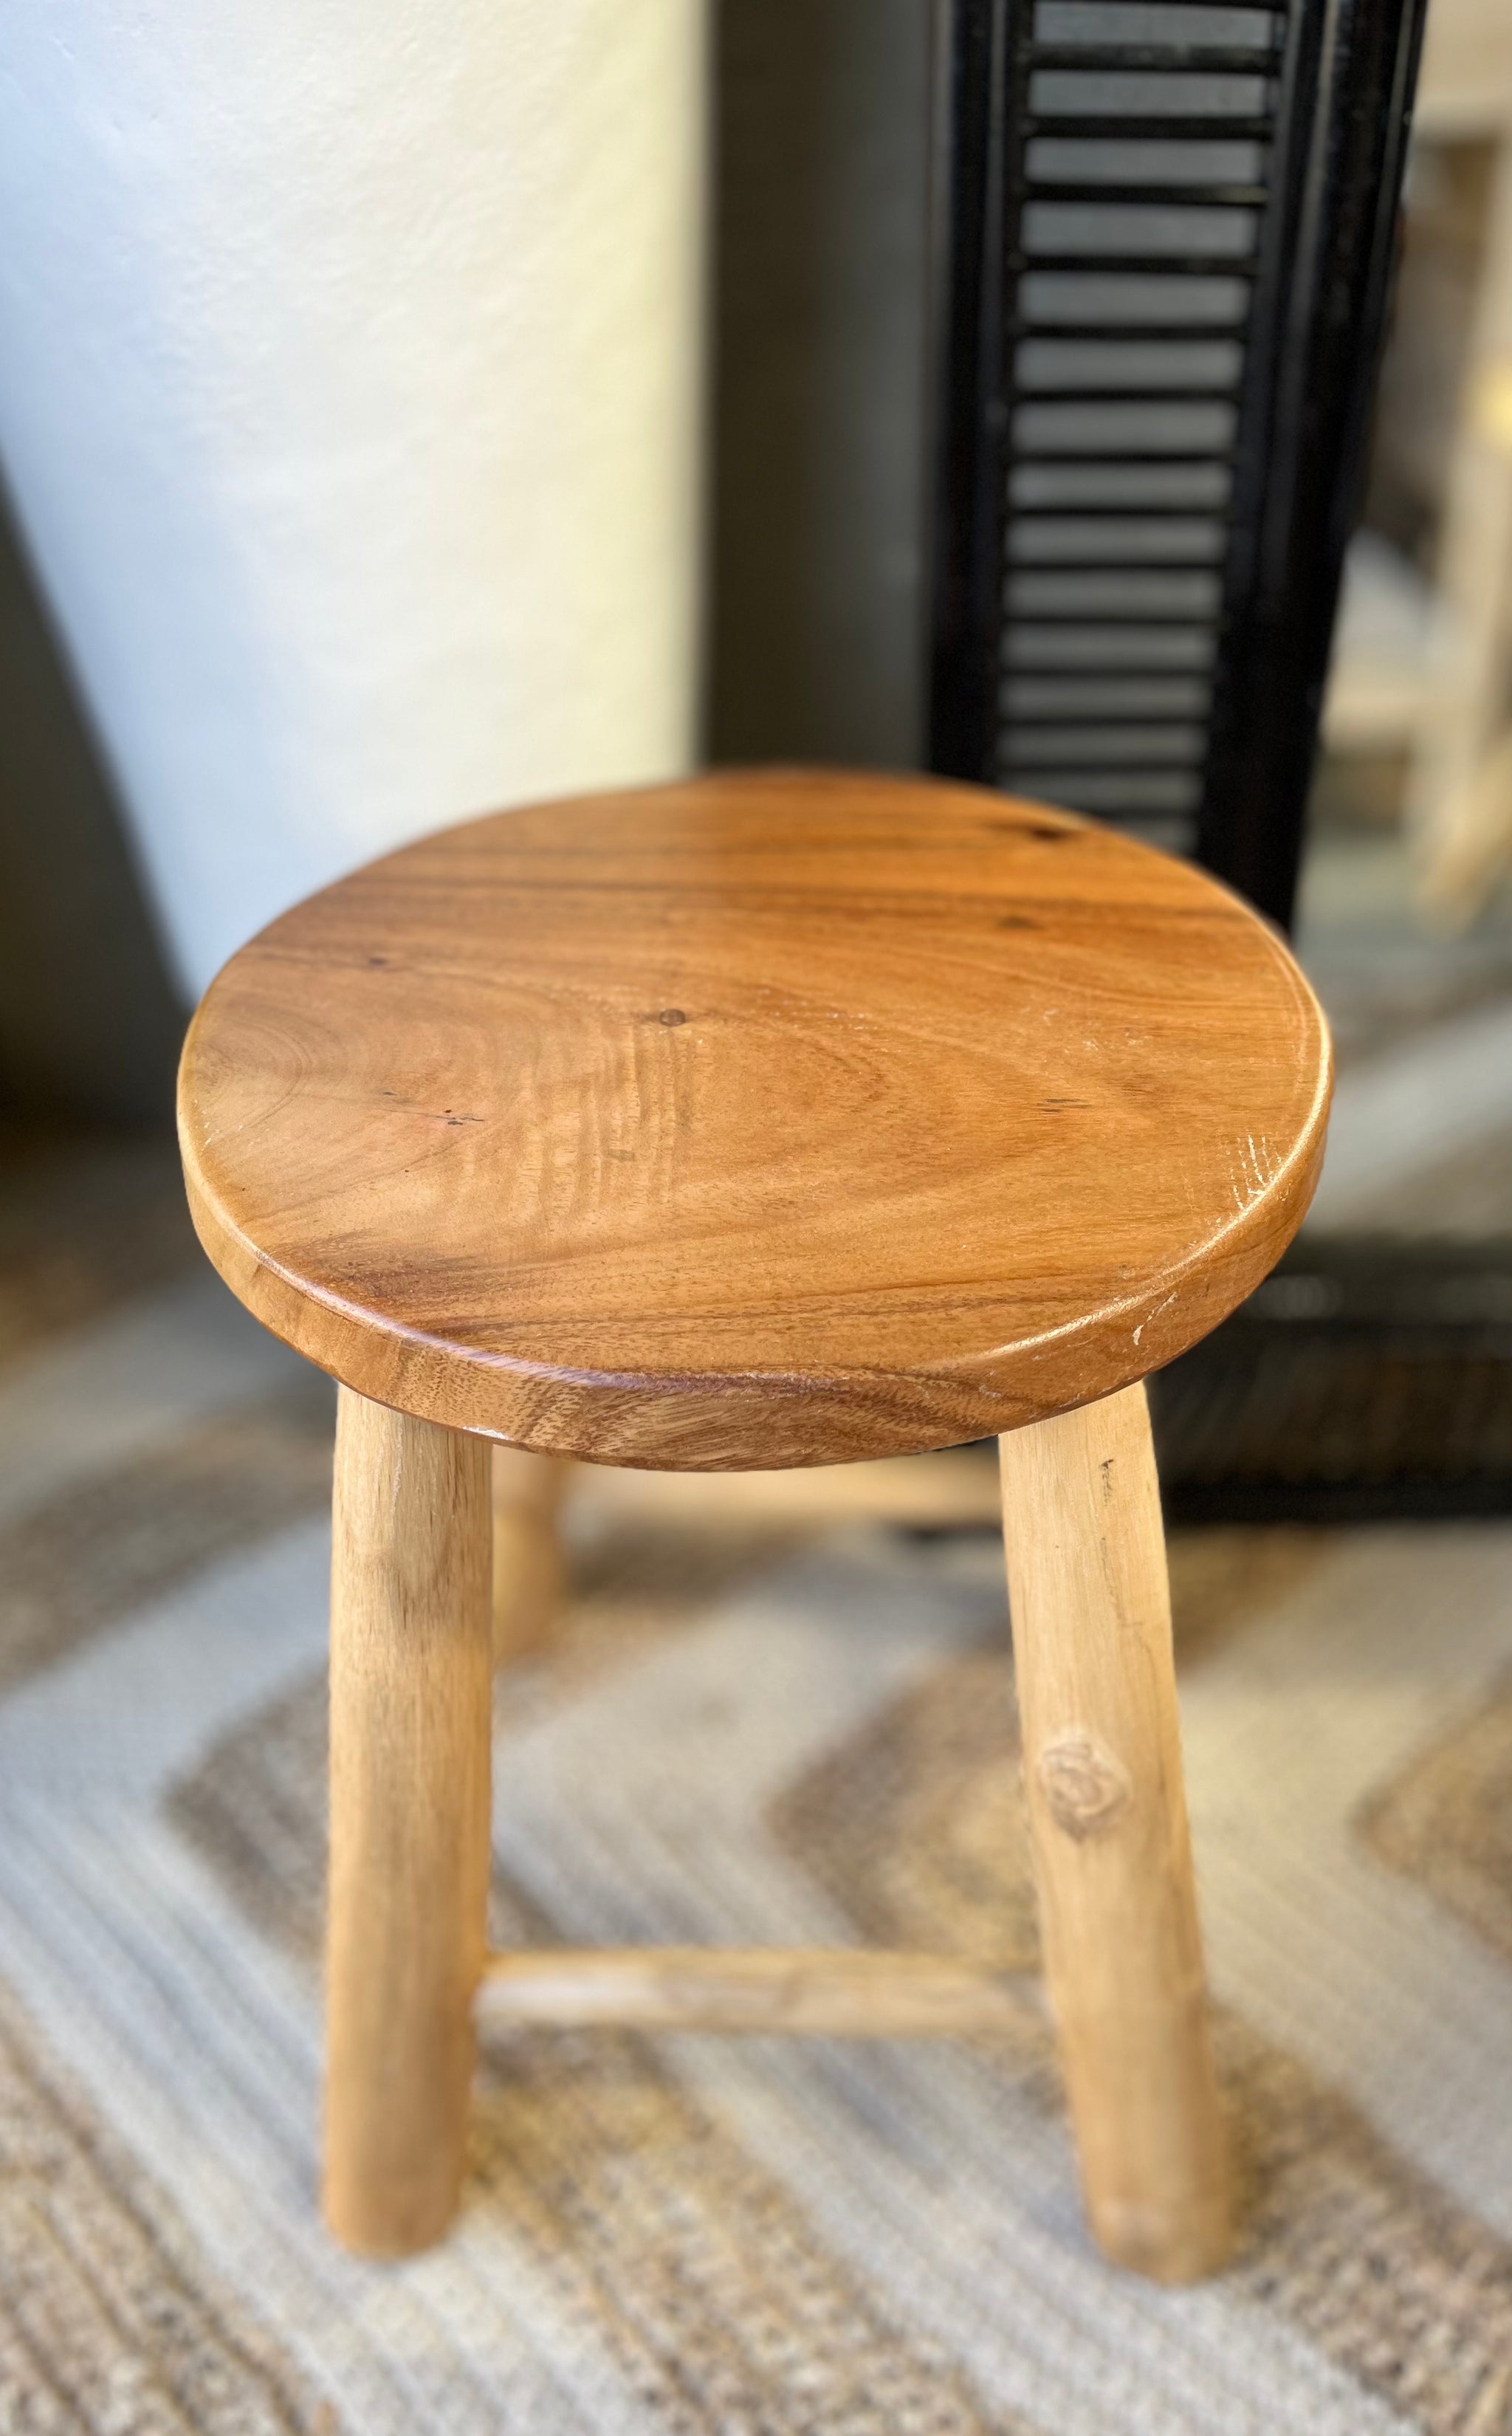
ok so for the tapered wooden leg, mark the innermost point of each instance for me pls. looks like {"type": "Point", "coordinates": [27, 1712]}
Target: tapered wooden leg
{"type": "Point", "coordinates": [527, 1568]}
{"type": "Point", "coordinates": [1091, 1627]}
{"type": "Point", "coordinates": [410, 1693]}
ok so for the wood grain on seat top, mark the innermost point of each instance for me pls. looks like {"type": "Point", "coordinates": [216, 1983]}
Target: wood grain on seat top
{"type": "Point", "coordinates": [771, 1117]}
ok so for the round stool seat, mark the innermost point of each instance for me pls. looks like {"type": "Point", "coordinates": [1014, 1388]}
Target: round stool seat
{"type": "Point", "coordinates": [772, 1118]}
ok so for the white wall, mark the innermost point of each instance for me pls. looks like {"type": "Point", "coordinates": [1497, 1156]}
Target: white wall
{"type": "Point", "coordinates": [349, 394]}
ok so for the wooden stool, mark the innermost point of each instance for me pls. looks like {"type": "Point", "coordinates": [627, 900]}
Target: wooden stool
{"type": "Point", "coordinates": [772, 1119]}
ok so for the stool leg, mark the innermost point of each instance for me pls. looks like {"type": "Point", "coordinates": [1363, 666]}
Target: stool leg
{"type": "Point", "coordinates": [410, 1693]}
{"type": "Point", "coordinates": [528, 1569]}
{"type": "Point", "coordinates": [1091, 1627]}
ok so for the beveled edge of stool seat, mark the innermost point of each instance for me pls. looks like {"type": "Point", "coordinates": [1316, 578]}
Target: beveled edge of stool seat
{"type": "Point", "coordinates": [732, 1418]}
{"type": "Point", "coordinates": [686, 1422]}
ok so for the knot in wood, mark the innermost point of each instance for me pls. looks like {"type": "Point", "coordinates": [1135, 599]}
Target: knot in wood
{"type": "Point", "coordinates": [1086, 1786]}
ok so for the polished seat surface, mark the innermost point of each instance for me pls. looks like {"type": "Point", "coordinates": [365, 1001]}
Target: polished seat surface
{"type": "Point", "coordinates": [764, 1119]}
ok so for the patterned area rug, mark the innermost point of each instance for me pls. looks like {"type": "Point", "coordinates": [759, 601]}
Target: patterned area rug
{"type": "Point", "coordinates": [791, 1728]}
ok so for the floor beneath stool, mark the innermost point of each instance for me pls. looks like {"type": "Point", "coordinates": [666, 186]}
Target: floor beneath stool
{"type": "Point", "coordinates": [763, 1719]}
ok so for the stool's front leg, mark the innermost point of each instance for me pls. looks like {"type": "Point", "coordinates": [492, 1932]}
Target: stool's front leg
{"type": "Point", "coordinates": [410, 1691]}
{"type": "Point", "coordinates": [1091, 1626]}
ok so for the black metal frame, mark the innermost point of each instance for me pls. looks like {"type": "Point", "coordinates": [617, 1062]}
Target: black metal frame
{"type": "Point", "coordinates": [1338, 84]}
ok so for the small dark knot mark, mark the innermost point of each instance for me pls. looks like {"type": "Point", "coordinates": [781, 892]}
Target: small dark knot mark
{"type": "Point", "coordinates": [671, 1015]}
{"type": "Point", "coordinates": [1016, 922]}
{"type": "Point", "coordinates": [377, 960]}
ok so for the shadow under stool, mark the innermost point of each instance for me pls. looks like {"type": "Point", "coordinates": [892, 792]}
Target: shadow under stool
{"type": "Point", "coordinates": [768, 1119]}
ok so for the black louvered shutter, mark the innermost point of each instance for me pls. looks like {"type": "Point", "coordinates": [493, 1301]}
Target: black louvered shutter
{"type": "Point", "coordinates": [1164, 235]}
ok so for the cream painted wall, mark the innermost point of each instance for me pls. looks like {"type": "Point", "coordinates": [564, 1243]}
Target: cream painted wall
{"type": "Point", "coordinates": [350, 387]}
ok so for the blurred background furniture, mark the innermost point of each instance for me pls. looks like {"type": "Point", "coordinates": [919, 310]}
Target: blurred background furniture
{"type": "Point", "coordinates": [1425, 660]}
{"type": "Point", "coordinates": [1165, 252]}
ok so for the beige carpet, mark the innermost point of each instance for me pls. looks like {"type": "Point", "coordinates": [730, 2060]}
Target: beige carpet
{"type": "Point", "coordinates": [794, 1726]}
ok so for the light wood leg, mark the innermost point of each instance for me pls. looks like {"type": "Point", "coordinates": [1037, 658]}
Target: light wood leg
{"type": "Point", "coordinates": [411, 1693]}
{"type": "Point", "coordinates": [528, 1569]}
{"type": "Point", "coordinates": [1091, 1627]}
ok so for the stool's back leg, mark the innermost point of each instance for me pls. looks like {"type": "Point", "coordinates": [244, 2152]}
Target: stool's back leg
{"type": "Point", "coordinates": [1091, 1626]}
{"type": "Point", "coordinates": [528, 1567]}
{"type": "Point", "coordinates": [410, 1693]}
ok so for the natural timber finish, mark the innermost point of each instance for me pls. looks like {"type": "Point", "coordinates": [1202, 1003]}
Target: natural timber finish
{"type": "Point", "coordinates": [1091, 1628]}
{"type": "Point", "coordinates": [412, 1681]}
{"type": "Point", "coordinates": [528, 1573]}
{"type": "Point", "coordinates": [863, 1994]}
{"type": "Point", "coordinates": [769, 1118]}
